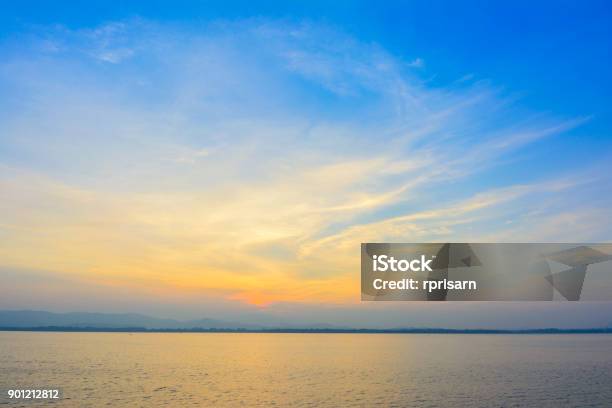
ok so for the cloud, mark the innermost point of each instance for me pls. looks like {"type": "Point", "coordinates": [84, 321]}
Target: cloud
{"type": "Point", "coordinates": [248, 158]}
{"type": "Point", "coordinates": [417, 63]}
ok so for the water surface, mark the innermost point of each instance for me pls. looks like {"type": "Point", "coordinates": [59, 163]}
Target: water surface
{"type": "Point", "coordinates": [354, 370]}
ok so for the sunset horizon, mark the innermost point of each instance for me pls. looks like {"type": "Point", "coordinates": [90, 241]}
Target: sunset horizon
{"type": "Point", "coordinates": [232, 203]}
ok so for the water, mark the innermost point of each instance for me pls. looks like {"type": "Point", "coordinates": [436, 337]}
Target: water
{"type": "Point", "coordinates": [354, 370]}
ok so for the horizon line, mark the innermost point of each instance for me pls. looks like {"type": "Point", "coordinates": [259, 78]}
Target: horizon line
{"type": "Point", "coordinates": [280, 330]}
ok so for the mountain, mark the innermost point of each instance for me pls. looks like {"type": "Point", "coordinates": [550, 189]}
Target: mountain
{"type": "Point", "coordinates": [31, 318]}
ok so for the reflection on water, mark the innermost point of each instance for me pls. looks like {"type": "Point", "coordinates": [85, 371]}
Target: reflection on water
{"type": "Point", "coordinates": [217, 369]}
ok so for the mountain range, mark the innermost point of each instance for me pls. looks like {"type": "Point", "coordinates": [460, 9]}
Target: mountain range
{"type": "Point", "coordinates": [32, 318]}
{"type": "Point", "coordinates": [80, 321]}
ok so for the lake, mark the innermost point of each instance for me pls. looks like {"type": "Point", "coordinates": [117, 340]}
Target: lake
{"type": "Point", "coordinates": [309, 370]}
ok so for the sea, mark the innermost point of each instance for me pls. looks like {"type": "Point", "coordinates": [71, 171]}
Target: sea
{"type": "Point", "coordinates": [308, 370]}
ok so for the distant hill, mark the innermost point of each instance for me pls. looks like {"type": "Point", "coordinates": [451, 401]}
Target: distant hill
{"type": "Point", "coordinates": [31, 318]}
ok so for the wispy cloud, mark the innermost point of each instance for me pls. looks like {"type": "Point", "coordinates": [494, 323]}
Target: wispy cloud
{"type": "Point", "coordinates": [247, 159]}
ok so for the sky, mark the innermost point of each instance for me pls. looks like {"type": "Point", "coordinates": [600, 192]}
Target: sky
{"type": "Point", "coordinates": [226, 159]}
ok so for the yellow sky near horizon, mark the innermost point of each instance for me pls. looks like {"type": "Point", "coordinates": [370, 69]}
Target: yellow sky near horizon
{"type": "Point", "coordinates": [259, 246]}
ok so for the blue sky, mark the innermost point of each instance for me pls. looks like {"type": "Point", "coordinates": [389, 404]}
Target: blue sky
{"type": "Point", "coordinates": [554, 56]}
{"type": "Point", "coordinates": [140, 142]}
{"type": "Point", "coordinates": [530, 47]}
